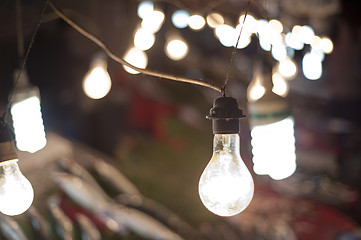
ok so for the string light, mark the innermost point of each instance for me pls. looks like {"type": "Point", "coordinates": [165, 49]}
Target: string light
{"type": "Point", "coordinates": [196, 22]}
{"type": "Point", "coordinates": [97, 82]}
{"type": "Point", "coordinates": [214, 19]}
{"type": "Point", "coordinates": [226, 187]}
{"type": "Point", "coordinates": [137, 58]}
{"type": "Point", "coordinates": [180, 18]}
{"type": "Point", "coordinates": [176, 48]}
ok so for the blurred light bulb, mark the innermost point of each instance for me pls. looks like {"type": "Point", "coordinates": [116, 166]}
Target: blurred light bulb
{"type": "Point", "coordinates": [145, 8]}
{"type": "Point", "coordinates": [250, 24]}
{"type": "Point", "coordinates": [143, 39]}
{"type": "Point", "coordinates": [273, 148]}
{"type": "Point", "coordinates": [311, 66]}
{"type": "Point", "coordinates": [176, 48]}
{"type": "Point", "coordinates": [276, 26]}
{"type": "Point", "coordinates": [307, 34]}
{"type": "Point", "coordinates": [293, 41]}
{"type": "Point", "coordinates": [226, 186]}
{"type": "Point", "coordinates": [16, 192]}
{"type": "Point", "coordinates": [153, 21]}
{"type": "Point", "coordinates": [180, 18]}
{"type": "Point", "coordinates": [326, 45]}
{"type": "Point", "coordinates": [280, 86]}
{"type": "Point", "coordinates": [97, 83]}
{"type": "Point", "coordinates": [214, 20]}
{"type": "Point", "coordinates": [27, 118]}
{"type": "Point", "coordinates": [225, 33]}
{"type": "Point", "coordinates": [196, 22]}
{"type": "Point", "coordinates": [279, 51]}
{"type": "Point", "coordinates": [287, 68]}
{"type": "Point", "coordinates": [137, 58]}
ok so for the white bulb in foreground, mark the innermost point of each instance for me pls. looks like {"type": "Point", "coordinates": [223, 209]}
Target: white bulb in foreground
{"type": "Point", "coordinates": [16, 192]}
{"type": "Point", "coordinates": [226, 186]}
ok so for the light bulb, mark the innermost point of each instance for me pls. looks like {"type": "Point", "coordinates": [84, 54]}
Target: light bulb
{"type": "Point", "coordinates": [226, 186]}
{"type": "Point", "coordinates": [27, 117]}
{"type": "Point", "coordinates": [97, 82]}
{"type": "Point", "coordinates": [16, 192]}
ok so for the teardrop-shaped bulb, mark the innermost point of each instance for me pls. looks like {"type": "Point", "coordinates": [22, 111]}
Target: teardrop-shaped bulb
{"type": "Point", "coordinates": [16, 192]}
{"type": "Point", "coordinates": [226, 186]}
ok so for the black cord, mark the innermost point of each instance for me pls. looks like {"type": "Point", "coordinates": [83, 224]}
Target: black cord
{"type": "Point", "coordinates": [223, 89]}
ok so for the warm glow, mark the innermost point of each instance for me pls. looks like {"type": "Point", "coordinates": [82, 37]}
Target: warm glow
{"type": "Point", "coordinates": [153, 21]}
{"type": "Point", "coordinates": [180, 18]}
{"type": "Point", "coordinates": [97, 83]}
{"type": "Point", "coordinates": [137, 58]}
{"type": "Point", "coordinates": [28, 123]}
{"type": "Point", "coordinates": [326, 45]}
{"type": "Point", "coordinates": [273, 148]}
{"type": "Point", "coordinates": [214, 20]}
{"type": "Point", "coordinates": [176, 49]}
{"type": "Point", "coordinates": [255, 89]}
{"type": "Point", "coordinates": [244, 38]}
{"type": "Point", "coordinates": [293, 41]}
{"type": "Point", "coordinates": [312, 66]}
{"type": "Point", "coordinates": [306, 34]}
{"type": "Point", "coordinates": [226, 186]}
{"type": "Point", "coordinates": [279, 51]}
{"type": "Point", "coordinates": [145, 8]}
{"type": "Point", "coordinates": [264, 32]}
{"type": "Point", "coordinates": [225, 34]}
{"type": "Point", "coordinates": [280, 86]}
{"type": "Point", "coordinates": [250, 24]}
{"type": "Point", "coordinates": [16, 192]}
{"type": "Point", "coordinates": [287, 68]}
{"type": "Point", "coordinates": [276, 26]}
{"type": "Point", "coordinates": [196, 22]}
{"type": "Point", "coordinates": [143, 39]}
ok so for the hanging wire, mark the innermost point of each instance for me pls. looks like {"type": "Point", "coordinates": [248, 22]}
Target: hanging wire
{"type": "Point", "coordinates": [20, 39]}
{"type": "Point", "coordinates": [223, 89]}
{"type": "Point", "coordinates": [118, 59]}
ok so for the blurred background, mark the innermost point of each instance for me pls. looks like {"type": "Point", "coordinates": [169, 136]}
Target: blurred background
{"type": "Point", "coordinates": [306, 54]}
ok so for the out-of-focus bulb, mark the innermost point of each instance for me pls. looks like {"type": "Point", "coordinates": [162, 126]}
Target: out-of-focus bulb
{"type": "Point", "coordinates": [273, 148]}
{"type": "Point", "coordinates": [27, 118]}
{"type": "Point", "coordinates": [176, 48]}
{"type": "Point", "coordinates": [137, 58]}
{"type": "Point", "coordinates": [97, 83]}
{"type": "Point", "coordinates": [226, 186]}
{"type": "Point", "coordinates": [196, 22]}
{"type": "Point", "coordinates": [16, 192]}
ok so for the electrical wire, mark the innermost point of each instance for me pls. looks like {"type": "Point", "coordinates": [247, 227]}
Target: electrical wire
{"type": "Point", "coordinates": [107, 50]}
{"type": "Point", "coordinates": [223, 89]}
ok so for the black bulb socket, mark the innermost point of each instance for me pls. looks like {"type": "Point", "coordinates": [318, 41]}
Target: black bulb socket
{"type": "Point", "coordinates": [225, 116]}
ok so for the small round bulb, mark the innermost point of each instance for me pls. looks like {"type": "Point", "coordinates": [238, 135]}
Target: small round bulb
{"type": "Point", "coordinates": [16, 192]}
{"type": "Point", "coordinates": [226, 186]}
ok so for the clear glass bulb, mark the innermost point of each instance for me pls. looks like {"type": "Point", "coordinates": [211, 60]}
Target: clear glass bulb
{"type": "Point", "coordinates": [16, 192]}
{"type": "Point", "coordinates": [226, 186]}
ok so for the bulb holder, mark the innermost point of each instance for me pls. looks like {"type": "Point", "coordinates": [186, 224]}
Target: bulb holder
{"type": "Point", "coordinates": [225, 116]}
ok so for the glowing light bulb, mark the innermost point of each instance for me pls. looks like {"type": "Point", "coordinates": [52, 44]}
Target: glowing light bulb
{"type": "Point", "coordinates": [137, 58]}
{"type": "Point", "coordinates": [196, 22]}
{"type": "Point", "coordinates": [176, 48]}
{"type": "Point", "coordinates": [226, 186]}
{"type": "Point", "coordinates": [27, 118]}
{"type": "Point", "coordinates": [180, 18]}
{"type": "Point", "coordinates": [272, 131]}
{"type": "Point", "coordinates": [214, 20]}
{"type": "Point", "coordinates": [97, 83]}
{"type": "Point", "coordinates": [16, 192]}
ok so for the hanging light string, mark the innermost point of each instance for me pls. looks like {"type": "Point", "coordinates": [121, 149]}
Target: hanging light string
{"type": "Point", "coordinates": [107, 50]}
{"type": "Point", "coordinates": [223, 89]}
{"type": "Point", "coordinates": [20, 40]}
